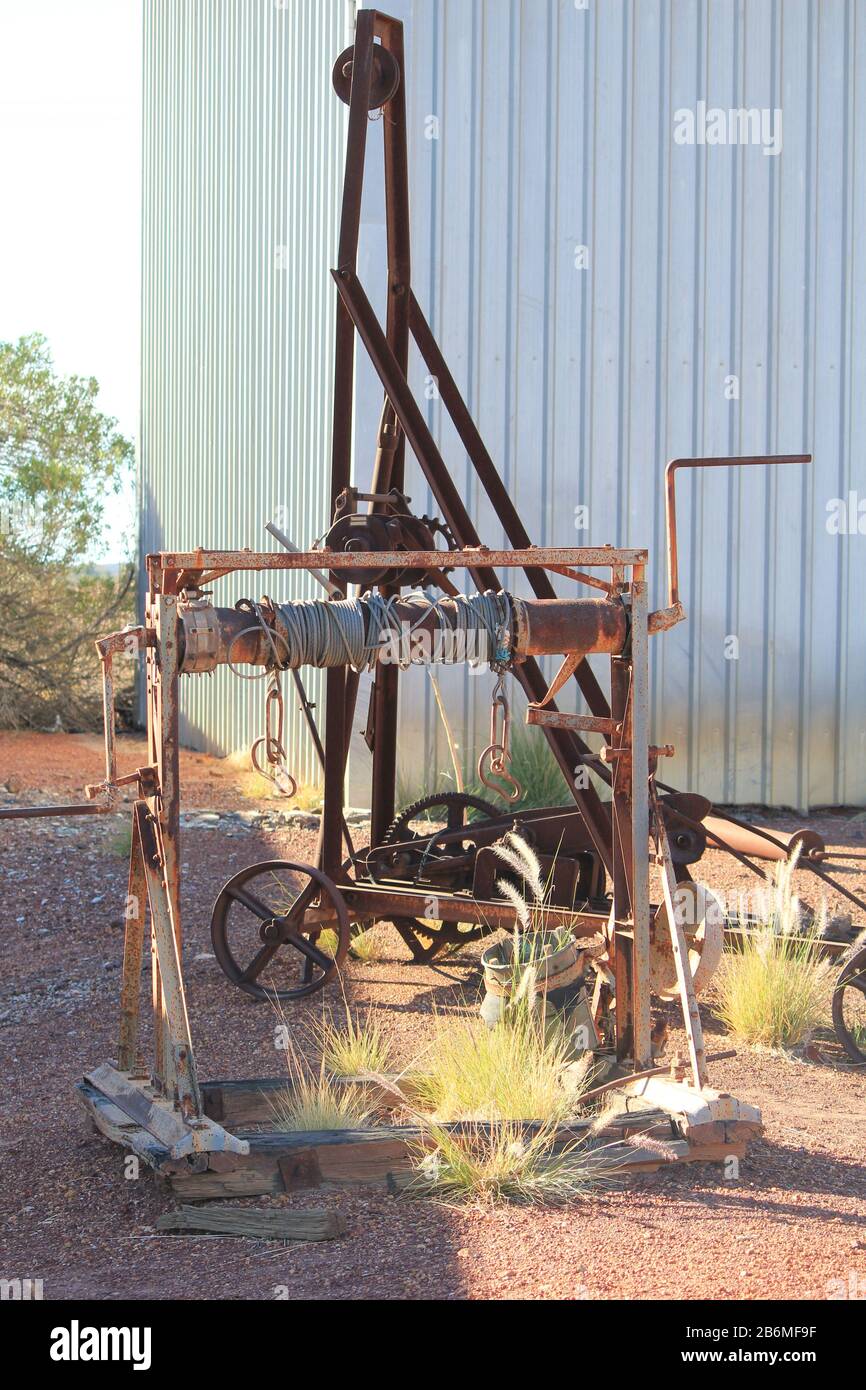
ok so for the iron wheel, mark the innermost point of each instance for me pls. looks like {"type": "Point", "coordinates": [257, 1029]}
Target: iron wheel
{"type": "Point", "coordinates": [267, 928]}
{"type": "Point", "coordinates": [849, 1007]}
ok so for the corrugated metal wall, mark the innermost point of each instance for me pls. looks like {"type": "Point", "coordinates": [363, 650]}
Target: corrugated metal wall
{"type": "Point", "coordinates": [243, 158]}
{"type": "Point", "coordinates": [555, 132]}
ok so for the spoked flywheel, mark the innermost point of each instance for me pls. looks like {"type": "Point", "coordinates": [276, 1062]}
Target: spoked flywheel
{"type": "Point", "coordinates": [849, 1007]}
{"type": "Point", "coordinates": [280, 930]}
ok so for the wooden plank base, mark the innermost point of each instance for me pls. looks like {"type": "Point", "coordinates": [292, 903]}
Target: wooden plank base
{"type": "Point", "coordinates": [270, 1224]}
{"type": "Point", "coordinates": [239, 1104]}
{"type": "Point", "coordinates": [684, 1127]}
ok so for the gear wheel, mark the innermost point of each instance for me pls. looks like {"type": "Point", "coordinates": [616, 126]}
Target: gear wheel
{"type": "Point", "coordinates": [426, 939]}
{"type": "Point", "coordinates": [454, 802]}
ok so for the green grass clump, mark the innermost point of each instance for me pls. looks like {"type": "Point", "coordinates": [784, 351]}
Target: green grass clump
{"type": "Point", "coordinates": [535, 768]}
{"type": "Point", "coordinates": [518, 1070]}
{"type": "Point", "coordinates": [505, 1164]}
{"type": "Point", "coordinates": [532, 764]}
{"type": "Point", "coordinates": [121, 842]}
{"type": "Point", "coordinates": [773, 991]}
{"type": "Point", "coordinates": [354, 1046]}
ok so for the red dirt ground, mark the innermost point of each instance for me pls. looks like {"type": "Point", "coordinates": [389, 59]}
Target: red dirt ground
{"type": "Point", "coordinates": [792, 1224]}
{"type": "Point", "coordinates": [61, 764]}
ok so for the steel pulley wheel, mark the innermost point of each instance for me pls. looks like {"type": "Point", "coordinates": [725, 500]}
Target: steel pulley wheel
{"type": "Point", "coordinates": [702, 919]}
{"type": "Point", "coordinates": [385, 78]}
{"type": "Point", "coordinates": [849, 1007]}
{"type": "Point", "coordinates": [280, 930]}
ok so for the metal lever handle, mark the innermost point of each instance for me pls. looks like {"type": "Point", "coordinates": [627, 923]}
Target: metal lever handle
{"type": "Point", "coordinates": [674, 613]}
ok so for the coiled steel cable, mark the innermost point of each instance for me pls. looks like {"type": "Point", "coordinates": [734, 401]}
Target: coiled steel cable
{"type": "Point", "coordinates": [356, 632]}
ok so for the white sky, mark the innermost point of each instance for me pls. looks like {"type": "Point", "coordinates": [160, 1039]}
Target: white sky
{"type": "Point", "coordinates": [70, 98]}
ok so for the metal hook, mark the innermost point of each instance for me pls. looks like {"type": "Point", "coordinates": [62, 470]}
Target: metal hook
{"type": "Point", "coordinates": [276, 771]}
{"type": "Point", "coordinates": [496, 757]}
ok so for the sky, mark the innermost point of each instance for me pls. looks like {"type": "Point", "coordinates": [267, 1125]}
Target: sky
{"type": "Point", "coordinates": [70, 135]}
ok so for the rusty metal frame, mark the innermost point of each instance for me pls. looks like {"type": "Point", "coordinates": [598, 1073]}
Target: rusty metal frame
{"type": "Point", "coordinates": [402, 420]}
{"type": "Point", "coordinates": [624, 838]}
{"type": "Point", "coordinates": [101, 796]}
{"type": "Point", "coordinates": [166, 1100]}
{"type": "Point", "coordinates": [620, 841]}
{"type": "Point", "coordinates": [675, 466]}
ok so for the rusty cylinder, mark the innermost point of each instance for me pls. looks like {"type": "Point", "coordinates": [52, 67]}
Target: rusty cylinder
{"type": "Point", "coordinates": [556, 626]}
{"type": "Point", "coordinates": [539, 627]}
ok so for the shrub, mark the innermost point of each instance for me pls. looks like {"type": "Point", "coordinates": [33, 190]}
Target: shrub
{"type": "Point", "coordinates": [773, 991]}
{"type": "Point", "coordinates": [60, 460]}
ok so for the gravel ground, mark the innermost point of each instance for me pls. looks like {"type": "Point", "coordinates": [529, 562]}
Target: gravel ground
{"type": "Point", "coordinates": [792, 1224]}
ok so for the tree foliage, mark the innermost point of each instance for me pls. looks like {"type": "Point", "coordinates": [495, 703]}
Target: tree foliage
{"type": "Point", "coordinates": [60, 461]}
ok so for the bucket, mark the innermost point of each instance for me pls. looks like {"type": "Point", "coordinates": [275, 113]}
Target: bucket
{"type": "Point", "coordinates": [555, 986]}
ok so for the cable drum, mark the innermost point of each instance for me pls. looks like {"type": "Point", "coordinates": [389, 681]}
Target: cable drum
{"type": "Point", "coordinates": [325, 633]}
{"type": "Point", "coordinates": [414, 629]}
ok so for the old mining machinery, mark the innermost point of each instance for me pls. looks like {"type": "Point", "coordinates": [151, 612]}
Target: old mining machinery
{"type": "Point", "coordinates": [619, 865]}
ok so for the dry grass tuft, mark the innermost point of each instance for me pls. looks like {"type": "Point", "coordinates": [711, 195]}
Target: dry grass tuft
{"type": "Point", "coordinates": [781, 908]}
{"type": "Point", "coordinates": [773, 991]}
{"type": "Point", "coordinates": [316, 1102]}
{"type": "Point", "coordinates": [369, 945]}
{"type": "Point", "coordinates": [352, 1046]}
{"type": "Point", "coordinates": [328, 941]}
{"type": "Point", "coordinates": [253, 787]}
{"type": "Point", "coordinates": [521, 1069]}
{"type": "Point", "coordinates": [502, 1163]}
{"type": "Point", "coordinates": [518, 1070]}
{"type": "Point", "coordinates": [313, 1098]}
